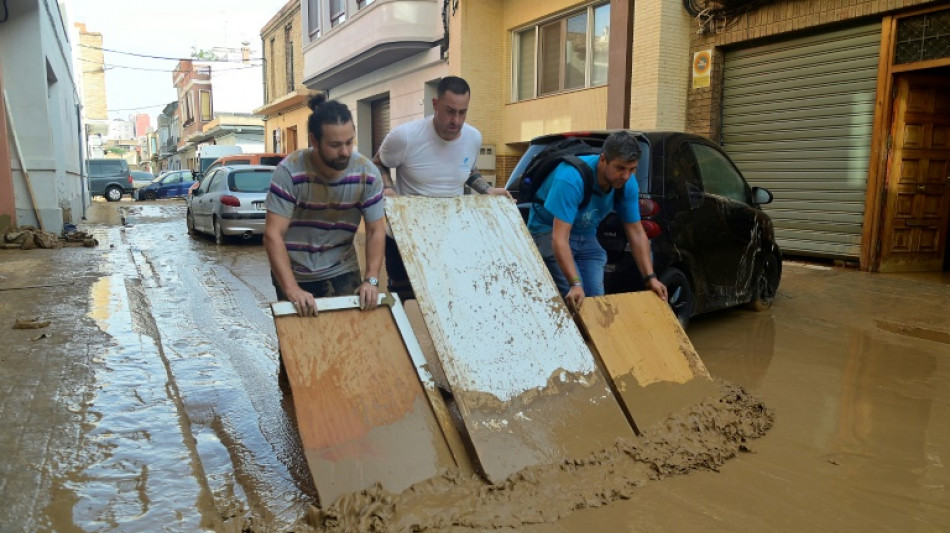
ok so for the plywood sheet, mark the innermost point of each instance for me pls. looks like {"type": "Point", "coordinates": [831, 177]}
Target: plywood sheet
{"type": "Point", "coordinates": [652, 364]}
{"type": "Point", "coordinates": [362, 412]}
{"type": "Point", "coordinates": [526, 385]}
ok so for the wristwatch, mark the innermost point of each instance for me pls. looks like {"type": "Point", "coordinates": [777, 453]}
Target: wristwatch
{"type": "Point", "coordinates": [372, 281]}
{"type": "Point", "coordinates": [648, 277]}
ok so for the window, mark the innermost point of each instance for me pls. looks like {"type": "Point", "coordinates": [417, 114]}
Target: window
{"type": "Point", "coordinates": [568, 52]}
{"type": "Point", "coordinates": [275, 140]}
{"type": "Point", "coordinates": [719, 176]}
{"type": "Point", "coordinates": [313, 18]}
{"type": "Point", "coordinates": [289, 57]}
{"type": "Point", "coordinates": [360, 4]}
{"type": "Point", "coordinates": [337, 12]}
{"type": "Point", "coordinates": [204, 100]}
{"type": "Point", "coordinates": [273, 65]}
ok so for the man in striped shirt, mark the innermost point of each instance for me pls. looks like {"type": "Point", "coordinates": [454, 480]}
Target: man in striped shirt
{"type": "Point", "coordinates": [317, 198]}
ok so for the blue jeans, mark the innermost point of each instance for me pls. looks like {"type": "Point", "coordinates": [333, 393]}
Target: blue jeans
{"type": "Point", "coordinates": [590, 259]}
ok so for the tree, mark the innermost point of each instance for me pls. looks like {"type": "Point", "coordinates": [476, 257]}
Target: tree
{"type": "Point", "coordinates": [203, 55]}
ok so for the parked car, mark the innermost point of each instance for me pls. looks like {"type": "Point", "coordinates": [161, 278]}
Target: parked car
{"type": "Point", "coordinates": [712, 244]}
{"type": "Point", "coordinates": [140, 179]}
{"type": "Point", "coordinates": [230, 201]}
{"type": "Point", "coordinates": [260, 158]}
{"type": "Point", "coordinates": [170, 184]}
{"type": "Point", "coordinates": [109, 178]}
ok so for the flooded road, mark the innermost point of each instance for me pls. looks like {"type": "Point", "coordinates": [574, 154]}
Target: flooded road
{"type": "Point", "coordinates": [153, 403]}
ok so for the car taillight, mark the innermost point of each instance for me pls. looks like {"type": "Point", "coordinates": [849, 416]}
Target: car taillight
{"type": "Point", "coordinates": [648, 207]}
{"type": "Point", "coordinates": [130, 177]}
{"type": "Point", "coordinates": [232, 201]}
{"type": "Point", "coordinates": [651, 228]}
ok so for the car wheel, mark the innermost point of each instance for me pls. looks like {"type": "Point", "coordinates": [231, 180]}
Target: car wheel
{"type": "Point", "coordinates": [680, 294]}
{"type": "Point", "coordinates": [765, 283]}
{"type": "Point", "coordinates": [219, 236]}
{"type": "Point", "coordinates": [113, 194]}
{"type": "Point", "coordinates": [150, 195]}
{"type": "Point", "coordinates": [190, 222]}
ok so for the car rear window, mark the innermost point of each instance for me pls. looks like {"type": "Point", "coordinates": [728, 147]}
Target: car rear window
{"type": "Point", "coordinates": [237, 162]}
{"type": "Point", "coordinates": [643, 167]}
{"type": "Point", "coordinates": [250, 180]}
{"type": "Point", "coordinates": [107, 167]}
{"type": "Point", "coordinates": [272, 160]}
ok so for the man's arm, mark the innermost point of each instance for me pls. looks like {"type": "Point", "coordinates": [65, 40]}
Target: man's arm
{"type": "Point", "coordinates": [560, 242]}
{"type": "Point", "coordinates": [478, 184]}
{"type": "Point", "coordinates": [640, 249]}
{"type": "Point", "coordinates": [386, 174]}
{"type": "Point", "coordinates": [275, 227]}
{"type": "Point", "coordinates": [375, 250]}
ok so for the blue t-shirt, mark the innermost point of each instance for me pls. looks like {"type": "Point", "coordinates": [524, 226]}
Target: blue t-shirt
{"type": "Point", "coordinates": [563, 192]}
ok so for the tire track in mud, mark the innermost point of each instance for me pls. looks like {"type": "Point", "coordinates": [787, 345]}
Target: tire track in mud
{"type": "Point", "coordinates": [218, 337]}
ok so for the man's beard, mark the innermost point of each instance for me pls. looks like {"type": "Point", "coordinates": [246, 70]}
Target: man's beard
{"type": "Point", "coordinates": [336, 164]}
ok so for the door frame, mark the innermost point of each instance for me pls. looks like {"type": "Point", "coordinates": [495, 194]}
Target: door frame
{"type": "Point", "coordinates": [876, 195]}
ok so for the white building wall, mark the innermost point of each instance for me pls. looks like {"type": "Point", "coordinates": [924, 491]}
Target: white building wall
{"type": "Point", "coordinates": [38, 78]}
{"type": "Point", "coordinates": [405, 85]}
{"type": "Point", "coordinates": [121, 130]}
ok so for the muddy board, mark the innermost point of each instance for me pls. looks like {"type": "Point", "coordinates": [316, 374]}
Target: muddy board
{"type": "Point", "coordinates": [651, 362]}
{"type": "Point", "coordinates": [525, 383]}
{"type": "Point", "coordinates": [362, 412]}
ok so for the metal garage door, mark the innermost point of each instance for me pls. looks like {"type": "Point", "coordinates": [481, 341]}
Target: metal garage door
{"type": "Point", "coordinates": [380, 114]}
{"type": "Point", "coordinates": [797, 119]}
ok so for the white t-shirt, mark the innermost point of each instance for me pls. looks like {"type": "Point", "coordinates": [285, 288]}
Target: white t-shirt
{"type": "Point", "coordinates": [427, 165]}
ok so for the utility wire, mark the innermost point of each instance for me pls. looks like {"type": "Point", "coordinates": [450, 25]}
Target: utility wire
{"type": "Point", "coordinates": [165, 57]}
{"type": "Point", "coordinates": [111, 65]}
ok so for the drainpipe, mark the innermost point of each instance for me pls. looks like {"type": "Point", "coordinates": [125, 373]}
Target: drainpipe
{"type": "Point", "coordinates": [82, 167]}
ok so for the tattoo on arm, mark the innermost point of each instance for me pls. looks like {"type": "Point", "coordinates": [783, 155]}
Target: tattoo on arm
{"type": "Point", "coordinates": [478, 183]}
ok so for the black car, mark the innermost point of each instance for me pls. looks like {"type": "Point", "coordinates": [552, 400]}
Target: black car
{"type": "Point", "coordinates": [109, 178]}
{"type": "Point", "coordinates": [713, 247]}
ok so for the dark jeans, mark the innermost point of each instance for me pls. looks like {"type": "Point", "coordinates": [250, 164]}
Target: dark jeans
{"type": "Point", "coordinates": [342, 285]}
{"type": "Point", "coordinates": [396, 272]}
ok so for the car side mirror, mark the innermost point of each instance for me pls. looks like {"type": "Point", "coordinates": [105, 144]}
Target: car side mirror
{"type": "Point", "coordinates": [197, 192]}
{"type": "Point", "coordinates": [761, 196]}
{"type": "Point", "coordinates": [695, 194]}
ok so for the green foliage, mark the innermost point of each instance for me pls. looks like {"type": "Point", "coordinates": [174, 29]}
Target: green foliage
{"type": "Point", "coordinates": [118, 150]}
{"type": "Point", "coordinates": [203, 55]}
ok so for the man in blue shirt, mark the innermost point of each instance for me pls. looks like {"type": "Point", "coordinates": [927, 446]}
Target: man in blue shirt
{"type": "Point", "coordinates": [566, 233]}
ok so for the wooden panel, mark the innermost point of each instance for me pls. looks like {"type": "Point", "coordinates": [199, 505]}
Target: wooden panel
{"type": "Point", "coordinates": [653, 366]}
{"type": "Point", "coordinates": [362, 413]}
{"type": "Point", "coordinates": [526, 385]}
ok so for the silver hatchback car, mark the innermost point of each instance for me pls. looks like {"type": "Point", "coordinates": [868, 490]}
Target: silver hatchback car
{"type": "Point", "coordinates": [230, 202]}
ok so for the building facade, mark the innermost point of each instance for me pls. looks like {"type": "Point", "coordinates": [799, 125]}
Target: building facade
{"type": "Point", "coordinates": [44, 188]}
{"type": "Point", "coordinates": [842, 109]}
{"type": "Point", "coordinates": [534, 67]}
{"type": "Point", "coordinates": [285, 110]}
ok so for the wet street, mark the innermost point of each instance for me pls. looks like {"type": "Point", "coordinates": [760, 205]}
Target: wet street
{"type": "Point", "coordinates": [152, 403]}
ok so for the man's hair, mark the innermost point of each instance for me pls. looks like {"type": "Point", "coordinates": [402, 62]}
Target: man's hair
{"type": "Point", "coordinates": [325, 112]}
{"type": "Point", "coordinates": [454, 84]}
{"type": "Point", "coordinates": [621, 145]}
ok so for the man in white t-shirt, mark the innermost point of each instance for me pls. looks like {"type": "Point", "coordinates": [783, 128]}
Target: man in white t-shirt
{"type": "Point", "coordinates": [432, 156]}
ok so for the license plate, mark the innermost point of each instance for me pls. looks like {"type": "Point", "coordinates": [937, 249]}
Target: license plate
{"type": "Point", "coordinates": [258, 205]}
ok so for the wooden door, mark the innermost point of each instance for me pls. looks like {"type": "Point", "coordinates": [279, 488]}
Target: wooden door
{"type": "Point", "coordinates": [918, 178]}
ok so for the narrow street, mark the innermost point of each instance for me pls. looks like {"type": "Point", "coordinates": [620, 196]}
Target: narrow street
{"type": "Point", "coordinates": [151, 402]}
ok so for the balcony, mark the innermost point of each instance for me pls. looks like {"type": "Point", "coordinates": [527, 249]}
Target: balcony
{"type": "Point", "coordinates": [383, 33]}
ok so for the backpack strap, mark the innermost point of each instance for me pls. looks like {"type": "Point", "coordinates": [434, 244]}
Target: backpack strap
{"type": "Point", "coordinates": [587, 176]}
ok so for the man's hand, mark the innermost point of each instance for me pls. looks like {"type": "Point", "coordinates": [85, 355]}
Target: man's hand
{"type": "Point", "coordinates": [658, 288]}
{"type": "Point", "coordinates": [303, 302]}
{"type": "Point", "coordinates": [574, 298]}
{"type": "Point", "coordinates": [498, 191]}
{"type": "Point", "coordinates": [369, 296]}
{"type": "Point", "coordinates": [389, 191]}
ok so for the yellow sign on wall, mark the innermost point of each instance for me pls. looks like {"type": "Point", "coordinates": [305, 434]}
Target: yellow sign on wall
{"type": "Point", "coordinates": [702, 65]}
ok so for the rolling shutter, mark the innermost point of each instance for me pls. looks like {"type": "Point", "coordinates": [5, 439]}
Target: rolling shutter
{"type": "Point", "coordinates": [797, 119]}
{"type": "Point", "coordinates": [380, 111]}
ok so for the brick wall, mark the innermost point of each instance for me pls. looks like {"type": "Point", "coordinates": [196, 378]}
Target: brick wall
{"type": "Point", "coordinates": [93, 76]}
{"type": "Point", "coordinates": [775, 20]}
{"type": "Point", "coordinates": [275, 55]}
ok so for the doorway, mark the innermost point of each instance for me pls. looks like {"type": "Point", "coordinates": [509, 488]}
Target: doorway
{"type": "Point", "coordinates": [917, 181]}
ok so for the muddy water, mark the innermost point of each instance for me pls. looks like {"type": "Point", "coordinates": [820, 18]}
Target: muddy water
{"type": "Point", "coordinates": [154, 405]}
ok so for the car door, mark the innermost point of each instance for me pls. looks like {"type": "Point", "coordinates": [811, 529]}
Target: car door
{"type": "Point", "coordinates": [169, 185]}
{"type": "Point", "coordinates": [202, 204]}
{"type": "Point", "coordinates": [727, 226]}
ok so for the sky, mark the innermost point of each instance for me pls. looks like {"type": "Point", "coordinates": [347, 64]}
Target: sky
{"type": "Point", "coordinates": [164, 28]}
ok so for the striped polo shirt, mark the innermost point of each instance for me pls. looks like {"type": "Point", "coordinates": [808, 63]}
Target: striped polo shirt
{"type": "Point", "coordinates": [324, 215]}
